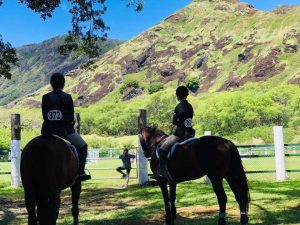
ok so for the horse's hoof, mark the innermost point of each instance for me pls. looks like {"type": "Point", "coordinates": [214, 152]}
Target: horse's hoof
{"type": "Point", "coordinates": [169, 223]}
{"type": "Point", "coordinates": [222, 221]}
{"type": "Point", "coordinates": [244, 219]}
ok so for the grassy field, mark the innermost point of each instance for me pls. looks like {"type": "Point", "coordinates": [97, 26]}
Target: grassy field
{"type": "Point", "coordinates": [106, 202]}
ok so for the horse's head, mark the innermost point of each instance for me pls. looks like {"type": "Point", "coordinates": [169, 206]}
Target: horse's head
{"type": "Point", "coordinates": [149, 138]}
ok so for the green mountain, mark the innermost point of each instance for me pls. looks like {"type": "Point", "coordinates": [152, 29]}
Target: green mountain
{"type": "Point", "coordinates": [241, 65]}
{"type": "Point", "coordinates": [36, 63]}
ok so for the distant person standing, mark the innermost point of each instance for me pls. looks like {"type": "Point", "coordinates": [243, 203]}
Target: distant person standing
{"type": "Point", "coordinates": [58, 115]}
{"type": "Point", "coordinates": [125, 157]}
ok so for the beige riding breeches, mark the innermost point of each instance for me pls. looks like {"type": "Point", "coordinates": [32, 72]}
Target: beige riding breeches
{"type": "Point", "coordinates": [172, 139]}
{"type": "Point", "coordinates": [76, 140]}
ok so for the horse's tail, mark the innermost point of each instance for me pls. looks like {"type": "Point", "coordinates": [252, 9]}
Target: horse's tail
{"type": "Point", "coordinates": [237, 179]}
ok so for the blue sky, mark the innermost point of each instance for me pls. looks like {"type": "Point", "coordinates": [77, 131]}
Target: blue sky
{"type": "Point", "coordinates": [21, 26]}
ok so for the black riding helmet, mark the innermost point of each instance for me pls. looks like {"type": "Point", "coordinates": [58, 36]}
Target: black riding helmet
{"type": "Point", "coordinates": [182, 92]}
{"type": "Point", "coordinates": [57, 81]}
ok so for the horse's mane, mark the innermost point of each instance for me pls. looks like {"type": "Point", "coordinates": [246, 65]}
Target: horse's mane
{"type": "Point", "coordinates": [155, 130]}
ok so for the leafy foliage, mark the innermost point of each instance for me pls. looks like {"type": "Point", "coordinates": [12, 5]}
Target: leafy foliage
{"type": "Point", "coordinates": [129, 83]}
{"type": "Point", "coordinates": [232, 112]}
{"type": "Point", "coordinates": [155, 87]}
{"type": "Point", "coordinates": [8, 57]}
{"type": "Point", "coordinates": [44, 7]}
{"type": "Point", "coordinates": [192, 84]}
{"type": "Point", "coordinates": [88, 26]}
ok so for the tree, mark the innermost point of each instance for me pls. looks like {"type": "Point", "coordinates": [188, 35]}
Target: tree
{"type": "Point", "coordinates": [88, 27]}
{"type": "Point", "coordinates": [8, 57]}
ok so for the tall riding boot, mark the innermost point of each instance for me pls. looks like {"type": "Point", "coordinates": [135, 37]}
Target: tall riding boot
{"type": "Point", "coordinates": [82, 154]}
{"type": "Point", "coordinates": [162, 163]}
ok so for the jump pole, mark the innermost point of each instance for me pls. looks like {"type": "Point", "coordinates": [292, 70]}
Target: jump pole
{"type": "Point", "coordinates": [279, 153]}
{"type": "Point", "coordinates": [142, 161]}
{"type": "Point", "coordinates": [15, 150]}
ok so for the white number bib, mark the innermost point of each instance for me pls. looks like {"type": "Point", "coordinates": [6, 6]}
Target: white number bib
{"type": "Point", "coordinates": [54, 115]}
{"type": "Point", "coordinates": [188, 123]}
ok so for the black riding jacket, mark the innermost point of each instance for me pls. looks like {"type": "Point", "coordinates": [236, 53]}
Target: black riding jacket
{"type": "Point", "coordinates": [182, 118]}
{"type": "Point", "coordinates": [58, 113]}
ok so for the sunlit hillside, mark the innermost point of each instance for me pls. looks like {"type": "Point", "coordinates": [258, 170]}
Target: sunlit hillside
{"type": "Point", "coordinates": [240, 64]}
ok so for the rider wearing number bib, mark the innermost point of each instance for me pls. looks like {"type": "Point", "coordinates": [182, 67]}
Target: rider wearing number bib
{"type": "Point", "coordinates": [58, 115]}
{"type": "Point", "coordinates": [182, 118]}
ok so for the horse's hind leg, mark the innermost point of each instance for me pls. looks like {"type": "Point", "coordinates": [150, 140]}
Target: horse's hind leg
{"type": "Point", "coordinates": [222, 199]}
{"type": "Point", "coordinates": [240, 198]}
{"type": "Point", "coordinates": [76, 190]}
{"type": "Point", "coordinates": [42, 208]}
{"type": "Point", "coordinates": [54, 204]}
{"type": "Point", "coordinates": [30, 206]}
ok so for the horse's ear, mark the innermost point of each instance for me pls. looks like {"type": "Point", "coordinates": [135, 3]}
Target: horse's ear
{"type": "Point", "coordinates": [141, 130]}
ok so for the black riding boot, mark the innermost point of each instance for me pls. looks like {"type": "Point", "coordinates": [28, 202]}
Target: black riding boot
{"type": "Point", "coordinates": [82, 154]}
{"type": "Point", "coordinates": [162, 163]}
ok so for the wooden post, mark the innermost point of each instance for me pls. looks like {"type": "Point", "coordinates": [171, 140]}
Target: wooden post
{"type": "Point", "coordinates": [142, 161]}
{"type": "Point", "coordinates": [206, 179]}
{"type": "Point", "coordinates": [279, 153]}
{"type": "Point", "coordinates": [15, 150]}
{"type": "Point", "coordinates": [77, 123]}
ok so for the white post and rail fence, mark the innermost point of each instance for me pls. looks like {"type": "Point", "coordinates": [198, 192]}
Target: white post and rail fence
{"type": "Point", "coordinates": [142, 162]}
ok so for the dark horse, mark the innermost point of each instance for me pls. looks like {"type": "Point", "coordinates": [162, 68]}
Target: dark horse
{"type": "Point", "coordinates": [213, 156]}
{"type": "Point", "coordinates": [47, 167]}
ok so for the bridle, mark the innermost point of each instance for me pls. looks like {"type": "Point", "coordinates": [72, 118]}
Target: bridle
{"type": "Point", "coordinates": [150, 141]}
{"type": "Point", "coordinates": [155, 144]}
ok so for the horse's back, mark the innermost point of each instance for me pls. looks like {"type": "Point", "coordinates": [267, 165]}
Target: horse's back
{"type": "Point", "coordinates": [211, 155]}
{"type": "Point", "coordinates": [47, 162]}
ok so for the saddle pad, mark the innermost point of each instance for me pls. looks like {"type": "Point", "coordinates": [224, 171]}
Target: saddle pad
{"type": "Point", "coordinates": [172, 149]}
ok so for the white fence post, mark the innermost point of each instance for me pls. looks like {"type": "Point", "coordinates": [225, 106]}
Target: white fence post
{"type": "Point", "coordinates": [206, 179]}
{"type": "Point", "coordinates": [15, 150]}
{"type": "Point", "coordinates": [142, 161]}
{"type": "Point", "coordinates": [279, 153]}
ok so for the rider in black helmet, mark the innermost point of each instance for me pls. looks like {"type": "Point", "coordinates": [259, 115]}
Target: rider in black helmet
{"type": "Point", "coordinates": [182, 118]}
{"type": "Point", "coordinates": [58, 114]}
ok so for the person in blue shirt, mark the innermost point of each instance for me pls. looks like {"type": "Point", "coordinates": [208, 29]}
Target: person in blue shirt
{"type": "Point", "coordinates": [58, 115]}
{"type": "Point", "coordinates": [125, 157]}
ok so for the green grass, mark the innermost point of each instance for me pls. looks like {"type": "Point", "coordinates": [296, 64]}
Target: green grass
{"type": "Point", "coordinates": [106, 203]}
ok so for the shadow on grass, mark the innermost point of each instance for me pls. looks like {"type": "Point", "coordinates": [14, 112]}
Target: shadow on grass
{"type": "Point", "coordinates": [272, 203]}
{"type": "Point", "coordinates": [7, 217]}
{"type": "Point", "coordinates": [289, 215]}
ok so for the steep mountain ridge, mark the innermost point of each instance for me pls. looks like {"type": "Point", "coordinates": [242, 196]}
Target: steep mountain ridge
{"type": "Point", "coordinates": [213, 45]}
{"type": "Point", "coordinates": [241, 65]}
{"type": "Point", "coordinates": [219, 44]}
{"type": "Point", "coordinates": [36, 63]}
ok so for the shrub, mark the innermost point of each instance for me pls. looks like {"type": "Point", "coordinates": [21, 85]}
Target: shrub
{"type": "Point", "coordinates": [155, 87]}
{"type": "Point", "coordinates": [193, 84]}
{"type": "Point", "coordinates": [129, 83]}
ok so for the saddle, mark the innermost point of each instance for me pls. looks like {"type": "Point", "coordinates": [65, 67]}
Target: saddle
{"type": "Point", "coordinates": [71, 147]}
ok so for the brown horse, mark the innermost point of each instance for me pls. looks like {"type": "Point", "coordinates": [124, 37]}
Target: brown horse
{"type": "Point", "coordinates": [47, 167]}
{"type": "Point", "coordinates": [213, 156]}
